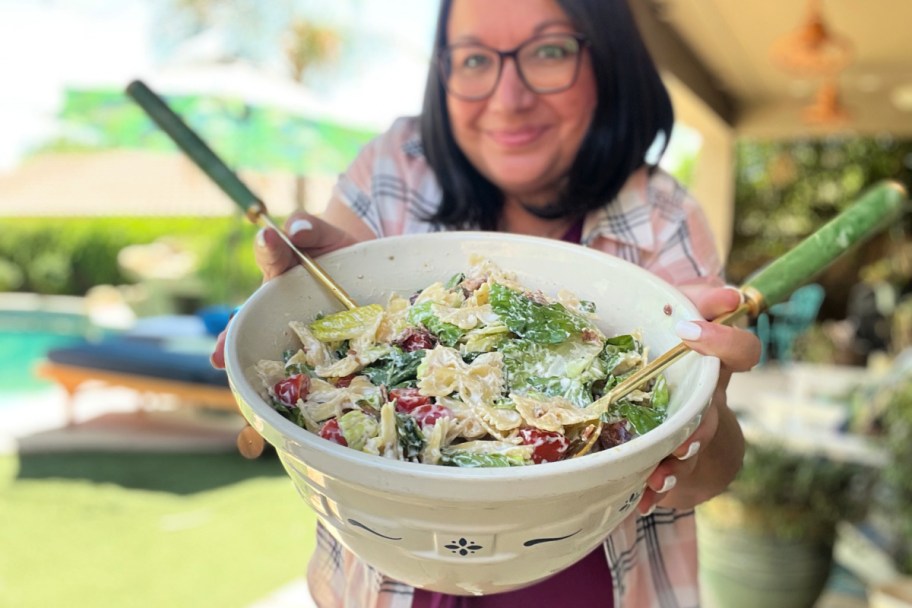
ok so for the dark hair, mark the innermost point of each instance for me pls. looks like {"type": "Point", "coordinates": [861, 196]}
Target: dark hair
{"type": "Point", "coordinates": [633, 109]}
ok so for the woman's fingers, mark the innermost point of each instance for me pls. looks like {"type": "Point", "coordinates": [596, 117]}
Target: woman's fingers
{"type": "Point", "coordinates": [680, 464]}
{"type": "Point", "coordinates": [310, 234]}
{"type": "Point", "coordinates": [271, 254]}
{"type": "Point", "coordinates": [738, 349]}
{"type": "Point", "coordinates": [217, 358]}
{"type": "Point", "coordinates": [314, 235]}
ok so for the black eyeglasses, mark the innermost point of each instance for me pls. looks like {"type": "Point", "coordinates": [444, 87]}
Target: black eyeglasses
{"type": "Point", "coordinates": [546, 64]}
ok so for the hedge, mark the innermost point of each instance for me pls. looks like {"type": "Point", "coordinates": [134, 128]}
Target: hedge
{"type": "Point", "coordinates": [68, 256]}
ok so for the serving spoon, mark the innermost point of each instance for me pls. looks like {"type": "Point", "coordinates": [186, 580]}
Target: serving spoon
{"type": "Point", "coordinates": [198, 151]}
{"type": "Point", "coordinates": [249, 442]}
{"type": "Point", "coordinates": [875, 209]}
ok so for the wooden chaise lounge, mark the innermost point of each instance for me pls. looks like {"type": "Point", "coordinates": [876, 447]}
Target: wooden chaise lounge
{"type": "Point", "coordinates": [150, 368]}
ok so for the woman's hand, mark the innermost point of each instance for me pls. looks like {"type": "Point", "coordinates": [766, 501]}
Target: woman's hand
{"type": "Point", "coordinates": [706, 463]}
{"type": "Point", "coordinates": [309, 233]}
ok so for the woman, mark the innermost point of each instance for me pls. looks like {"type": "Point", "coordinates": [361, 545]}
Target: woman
{"type": "Point", "coordinates": [538, 119]}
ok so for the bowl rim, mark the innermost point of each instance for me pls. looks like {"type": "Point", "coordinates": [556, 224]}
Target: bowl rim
{"type": "Point", "coordinates": [693, 406]}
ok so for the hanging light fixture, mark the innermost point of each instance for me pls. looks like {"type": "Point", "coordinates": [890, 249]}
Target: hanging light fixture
{"type": "Point", "coordinates": [812, 49]}
{"type": "Point", "coordinates": [827, 107]}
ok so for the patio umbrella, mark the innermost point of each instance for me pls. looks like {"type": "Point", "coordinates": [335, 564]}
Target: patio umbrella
{"type": "Point", "coordinates": [253, 122]}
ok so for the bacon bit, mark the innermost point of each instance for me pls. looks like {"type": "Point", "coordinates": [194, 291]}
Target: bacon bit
{"type": "Point", "coordinates": [344, 381]}
{"type": "Point", "coordinates": [538, 297]}
{"type": "Point", "coordinates": [667, 310]}
{"type": "Point", "coordinates": [469, 286]}
{"type": "Point", "coordinates": [589, 335]}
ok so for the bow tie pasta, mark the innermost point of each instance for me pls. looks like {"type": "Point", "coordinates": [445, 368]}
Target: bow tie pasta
{"type": "Point", "coordinates": [475, 372]}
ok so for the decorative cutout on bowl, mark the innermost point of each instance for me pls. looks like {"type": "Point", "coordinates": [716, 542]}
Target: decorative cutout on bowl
{"type": "Point", "coordinates": [631, 500]}
{"type": "Point", "coordinates": [463, 547]}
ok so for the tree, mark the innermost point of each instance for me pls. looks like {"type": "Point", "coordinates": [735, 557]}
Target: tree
{"type": "Point", "coordinates": [254, 31]}
{"type": "Point", "coordinates": [785, 190]}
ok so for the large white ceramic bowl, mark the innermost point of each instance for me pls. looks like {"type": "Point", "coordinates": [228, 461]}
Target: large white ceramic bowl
{"type": "Point", "coordinates": [469, 531]}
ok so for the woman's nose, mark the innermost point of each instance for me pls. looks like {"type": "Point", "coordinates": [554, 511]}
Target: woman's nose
{"type": "Point", "coordinates": [511, 92]}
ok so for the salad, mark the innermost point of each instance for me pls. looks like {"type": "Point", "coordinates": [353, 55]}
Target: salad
{"type": "Point", "coordinates": [475, 372]}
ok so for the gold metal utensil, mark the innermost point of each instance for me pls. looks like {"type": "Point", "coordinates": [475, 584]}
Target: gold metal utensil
{"type": "Point", "coordinates": [200, 153]}
{"type": "Point", "coordinates": [249, 442]}
{"type": "Point", "coordinates": [874, 210]}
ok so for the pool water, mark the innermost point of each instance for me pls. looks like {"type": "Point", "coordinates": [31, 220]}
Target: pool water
{"type": "Point", "coordinates": [26, 336]}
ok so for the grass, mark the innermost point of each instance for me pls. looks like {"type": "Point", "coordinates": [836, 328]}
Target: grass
{"type": "Point", "coordinates": [148, 530]}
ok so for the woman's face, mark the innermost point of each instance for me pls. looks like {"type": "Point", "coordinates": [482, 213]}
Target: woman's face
{"type": "Point", "coordinates": [523, 142]}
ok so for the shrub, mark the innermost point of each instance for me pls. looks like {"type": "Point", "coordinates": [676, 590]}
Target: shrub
{"type": "Point", "coordinates": [69, 256]}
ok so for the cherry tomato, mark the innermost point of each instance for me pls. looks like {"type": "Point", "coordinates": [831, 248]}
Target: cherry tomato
{"type": "Point", "coordinates": [292, 388]}
{"type": "Point", "coordinates": [548, 446]}
{"type": "Point", "coordinates": [407, 399]}
{"type": "Point", "coordinates": [428, 414]}
{"type": "Point", "coordinates": [330, 430]}
{"type": "Point", "coordinates": [416, 339]}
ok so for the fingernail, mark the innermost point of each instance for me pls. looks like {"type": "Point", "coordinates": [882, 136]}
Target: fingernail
{"type": "Point", "coordinates": [649, 511]}
{"type": "Point", "coordinates": [300, 225]}
{"type": "Point", "coordinates": [692, 450]}
{"type": "Point", "coordinates": [738, 291]}
{"type": "Point", "coordinates": [261, 237]}
{"type": "Point", "coordinates": [670, 482]}
{"type": "Point", "coordinates": [688, 330]}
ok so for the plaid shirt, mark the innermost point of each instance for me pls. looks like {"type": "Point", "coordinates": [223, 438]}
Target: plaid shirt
{"type": "Point", "coordinates": [653, 223]}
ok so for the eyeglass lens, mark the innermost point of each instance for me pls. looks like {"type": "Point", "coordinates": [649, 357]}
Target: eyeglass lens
{"type": "Point", "coordinates": [547, 64]}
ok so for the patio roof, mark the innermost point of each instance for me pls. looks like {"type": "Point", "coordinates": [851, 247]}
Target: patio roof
{"type": "Point", "coordinates": [721, 50]}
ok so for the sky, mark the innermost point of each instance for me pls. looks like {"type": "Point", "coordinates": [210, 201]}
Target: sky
{"type": "Point", "coordinates": [49, 45]}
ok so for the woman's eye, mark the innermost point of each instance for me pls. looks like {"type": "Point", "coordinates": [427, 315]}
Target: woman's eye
{"type": "Point", "coordinates": [551, 51]}
{"type": "Point", "coordinates": [475, 62]}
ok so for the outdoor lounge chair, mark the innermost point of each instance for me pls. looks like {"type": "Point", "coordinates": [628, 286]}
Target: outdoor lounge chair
{"type": "Point", "coordinates": [149, 366]}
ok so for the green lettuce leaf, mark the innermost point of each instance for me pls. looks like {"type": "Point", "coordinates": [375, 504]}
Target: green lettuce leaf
{"type": "Point", "coordinates": [422, 314]}
{"type": "Point", "coordinates": [396, 369]}
{"type": "Point", "coordinates": [543, 323]}
{"type": "Point", "coordinates": [346, 324]}
{"type": "Point", "coordinates": [357, 427]}
{"type": "Point", "coordinates": [558, 370]}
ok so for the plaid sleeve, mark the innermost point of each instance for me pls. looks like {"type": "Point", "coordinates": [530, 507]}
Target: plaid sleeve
{"type": "Point", "coordinates": [686, 248]}
{"type": "Point", "coordinates": [656, 224]}
{"type": "Point", "coordinates": [389, 186]}
{"type": "Point", "coordinates": [338, 579]}
{"type": "Point", "coordinates": [653, 561]}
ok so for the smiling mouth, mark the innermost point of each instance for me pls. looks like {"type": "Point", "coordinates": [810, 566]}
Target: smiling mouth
{"type": "Point", "coordinates": [515, 138]}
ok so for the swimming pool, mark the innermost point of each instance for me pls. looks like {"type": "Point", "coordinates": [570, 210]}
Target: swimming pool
{"type": "Point", "coordinates": [28, 331]}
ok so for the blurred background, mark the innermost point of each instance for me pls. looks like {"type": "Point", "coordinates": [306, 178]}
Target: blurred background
{"type": "Point", "coordinates": [121, 482]}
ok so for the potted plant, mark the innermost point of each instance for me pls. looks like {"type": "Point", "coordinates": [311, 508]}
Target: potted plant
{"type": "Point", "coordinates": [889, 415]}
{"type": "Point", "coordinates": [768, 540]}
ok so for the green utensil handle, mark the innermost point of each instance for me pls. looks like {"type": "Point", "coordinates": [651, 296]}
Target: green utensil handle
{"type": "Point", "coordinates": [193, 146]}
{"type": "Point", "coordinates": [874, 210]}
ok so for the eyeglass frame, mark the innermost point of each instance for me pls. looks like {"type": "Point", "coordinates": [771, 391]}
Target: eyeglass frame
{"type": "Point", "coordinates": [513, 54]}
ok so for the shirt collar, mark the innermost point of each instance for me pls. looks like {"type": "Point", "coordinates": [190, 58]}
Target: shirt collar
{"type": "Point", "coordinates": [627, 219]}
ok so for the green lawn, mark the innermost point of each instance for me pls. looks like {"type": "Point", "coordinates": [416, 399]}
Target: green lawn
{"type": "Point", "coordinates": [148, 530]}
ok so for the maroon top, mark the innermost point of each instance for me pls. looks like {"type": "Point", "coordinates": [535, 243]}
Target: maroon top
{"type": "Point", "coordinates": [585, 583]}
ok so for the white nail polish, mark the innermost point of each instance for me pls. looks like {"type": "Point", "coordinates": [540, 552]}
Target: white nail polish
{"type": "Point", "coordinates": [261, 237]}
{"type": "Point", "coordinates": [650, 510]}
{"type": "Point", "coordinates": [688, 330]}
{"type": "Point", "coordinates": [670, 482]}
{"type": "Point", "coordinates": [300, 225]}
{"type": "Point", "coordinates": [692, 450]}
